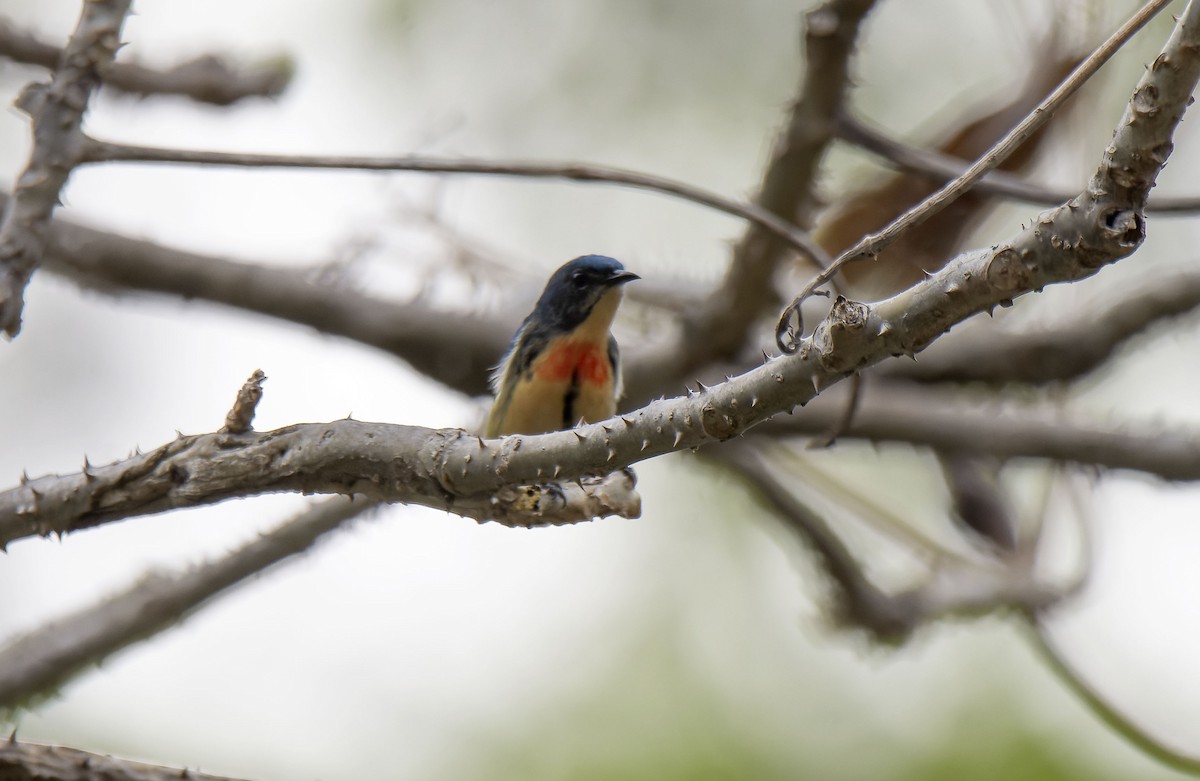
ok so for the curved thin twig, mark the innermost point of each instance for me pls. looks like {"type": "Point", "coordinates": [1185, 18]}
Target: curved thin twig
{"type": "Point", "coordinates": [1108, 713]}
{"type": "Point", "coordinates": [787, 336]}
{"type": "Point", "coordinates": [95, 151]}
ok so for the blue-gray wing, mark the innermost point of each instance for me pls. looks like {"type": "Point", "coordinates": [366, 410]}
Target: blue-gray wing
{"type": "Point", "coordinates": [614, 357]}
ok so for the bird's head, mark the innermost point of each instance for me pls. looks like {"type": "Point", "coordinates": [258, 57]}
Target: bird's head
{"type": "Point", "coordinates": [574, 290]}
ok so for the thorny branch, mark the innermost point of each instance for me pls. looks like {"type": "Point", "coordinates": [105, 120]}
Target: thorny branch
{"type": "Point", "coordinates": [57, 111]}
{"type": "Point", "coordinates": [452, 470]}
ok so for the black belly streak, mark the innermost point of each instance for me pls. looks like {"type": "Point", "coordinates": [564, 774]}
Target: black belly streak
{"type": "Point", "coordinates": [569, 398]}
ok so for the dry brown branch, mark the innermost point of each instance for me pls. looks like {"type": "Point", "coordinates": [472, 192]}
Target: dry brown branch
{"type": "Point", "coordinates": [241, 414]}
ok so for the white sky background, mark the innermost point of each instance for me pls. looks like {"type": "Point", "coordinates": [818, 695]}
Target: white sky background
{"type": "Point", "coordinates": [416, 643]}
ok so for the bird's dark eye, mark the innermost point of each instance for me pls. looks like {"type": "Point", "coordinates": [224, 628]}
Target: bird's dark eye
{"type": "Point", "coordinates": [579, 279]}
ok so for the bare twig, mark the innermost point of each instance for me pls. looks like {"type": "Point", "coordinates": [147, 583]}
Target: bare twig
{"type": "Point", "coordinates": [206, 79]}
{"type": "Point", "coordinates": [1118, 722]}
{"type": "Point", "coordinates": [57, 111]}
{"type": "Point", "coordinates": [786, 333]}
{"type": "Point", "coordinates": [107, 152]}
{"type": "Point", "coordinates": [36, 664]}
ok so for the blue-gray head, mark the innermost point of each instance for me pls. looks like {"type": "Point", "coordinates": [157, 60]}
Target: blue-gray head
{"type": "Point", "coordinates": [575, 289]}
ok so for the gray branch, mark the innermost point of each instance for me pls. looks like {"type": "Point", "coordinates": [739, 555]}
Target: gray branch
{"type": "Point", "coordinates": [57, 111]}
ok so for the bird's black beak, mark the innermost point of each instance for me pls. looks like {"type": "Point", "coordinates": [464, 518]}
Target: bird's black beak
{"type": "Point", "coordinates": [621, 277]}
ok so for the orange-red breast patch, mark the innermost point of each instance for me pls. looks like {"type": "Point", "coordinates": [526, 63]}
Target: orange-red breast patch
{"type": "Point", "coordinates": [564, 359]}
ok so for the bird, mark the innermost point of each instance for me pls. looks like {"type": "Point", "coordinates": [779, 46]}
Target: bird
{"type": "Point", "coordinates": [563, 365]}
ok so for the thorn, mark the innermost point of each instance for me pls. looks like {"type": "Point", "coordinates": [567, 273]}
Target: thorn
{"type": "Point", "coordinates": [766, 357]}
{"type": "Point", "coordinates": [538, 473]}
{"type": "Point", "coordinates": [24, 477]}
{"type": "Point", "coordinates": [578, 436]}
{"type": "Point", "coordinates": [607, 428]}
{"type": "Point", "coordinates": [479, 439]}
{"type": "Point", "coordinates": [816, 383]}
{"type": "Point", "coordinates": [627, 421]}
{"type": "Point", "coordinates": [885, 328]}
{"type": "Point", "coordinates": [678, 437]}
{"type": "Point", "coordinates": [701, 387]}
{"type": "Point", "coordinates": [753, 401]}
{"type": "Point", "coordinates": [645, 444]}
{"type": "Point", "coordinates": [612, 453]}
{"type": "Point", "coordinates": [557, 471]}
